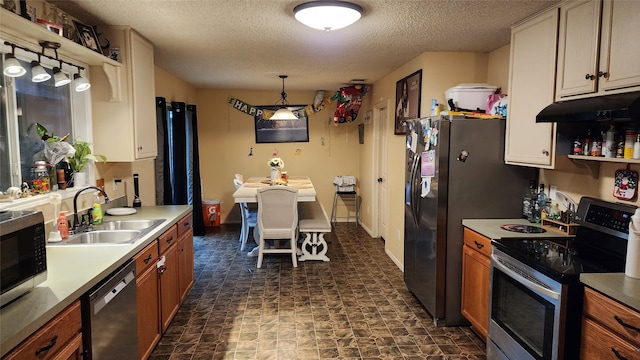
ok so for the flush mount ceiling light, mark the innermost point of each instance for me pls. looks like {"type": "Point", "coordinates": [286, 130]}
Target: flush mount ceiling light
{"type": "Point", "coordinates": [283, 113]}
{"type": "Point", "coordinates": [328, 15]}
{"type": "Point", "coordinates": [12, 66]}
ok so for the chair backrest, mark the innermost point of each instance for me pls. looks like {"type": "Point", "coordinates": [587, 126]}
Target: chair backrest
{"type": "Point", "coordinates": [237, 183]}
{"type": "Point", "coordinates": [278, 212]}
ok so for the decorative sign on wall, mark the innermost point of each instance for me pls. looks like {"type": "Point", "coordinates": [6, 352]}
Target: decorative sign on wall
{"type": "Point", "coordinates": [265, 112]}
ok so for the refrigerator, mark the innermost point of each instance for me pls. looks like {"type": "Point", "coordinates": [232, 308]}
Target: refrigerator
{"type": "Point", "coordinates": [454, 170]}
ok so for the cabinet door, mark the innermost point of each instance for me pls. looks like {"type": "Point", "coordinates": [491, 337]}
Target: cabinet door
{"type": "Point", "coordinates": [143, 92]}
{"type": "Point", "coordinates": [531, 88]}
{"type": "Point", "coordinates": [185, 256]}
{"type": "Point", "coordinates": [476, 269]}
{"type": "Point", "coordinates": [72, 350]}
{"type": "Point", "coordinates": [578, 44]}
{"type": "Point", "coordinates": [598, 343]}
{"type": "Point", "coordinates": [169, 296]}
{"type": "Point", "coordinates": [620, 48]}
{"type": "Point", "coordinates": [148, 311]}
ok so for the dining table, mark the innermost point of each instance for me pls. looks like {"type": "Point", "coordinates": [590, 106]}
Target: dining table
{"type": "Point", "coordinates": [248, 192]}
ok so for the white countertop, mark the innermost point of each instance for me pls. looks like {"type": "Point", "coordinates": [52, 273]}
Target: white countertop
{"type": "Point", "coordinates": [491, 229]}
{"type": "Point", "coordinates": [71, 272]}
{"type": "Point", "coordinates": [248, 192]}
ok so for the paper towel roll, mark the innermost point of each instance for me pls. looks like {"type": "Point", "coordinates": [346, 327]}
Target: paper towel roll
{"type": "Point", "coordinates": [632, 266]}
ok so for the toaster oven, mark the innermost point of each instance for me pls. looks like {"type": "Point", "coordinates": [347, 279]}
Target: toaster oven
{"type": "Point", "coordinates": [23, 257]}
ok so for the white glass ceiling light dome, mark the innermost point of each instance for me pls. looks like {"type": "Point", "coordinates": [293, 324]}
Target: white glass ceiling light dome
{"type": "Point", "coordinates": [327, 15]}
{"type": "Point", "coordinates": [283, 113]}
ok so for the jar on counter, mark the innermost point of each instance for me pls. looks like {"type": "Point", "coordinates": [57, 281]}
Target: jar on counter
{"type": "Point", "coordinates": [40, 182]}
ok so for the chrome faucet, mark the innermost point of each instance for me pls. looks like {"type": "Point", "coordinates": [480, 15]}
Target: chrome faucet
{"type": "Point", "coordinates": [76, 221]}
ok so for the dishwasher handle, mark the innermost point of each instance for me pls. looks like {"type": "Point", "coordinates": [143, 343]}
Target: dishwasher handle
{"type": "Point", "coordinates": [127, 280]}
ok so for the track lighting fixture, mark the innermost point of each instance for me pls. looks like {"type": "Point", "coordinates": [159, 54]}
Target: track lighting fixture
{"type": "Point", "coordinates": [12, 66]}
{"type": "Point", "coordinates": [283, 113]}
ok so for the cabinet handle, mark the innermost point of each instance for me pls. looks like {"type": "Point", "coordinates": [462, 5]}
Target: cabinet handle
{"type": "Point", "coordinates": [617, 354]}
{"type": "Point", "coordinates": [187, 224]}
{"type": "Point", "coordinates": [625, 324]}
{"type": "Point", "coordinates": [169, 239]}
{"type": "Point", "coordinates": [545, 152]}
{"type": "Point", "coordinates": [478, 245]}
{"type": "Point", "coordinates": [147, 259]}
{"type": "Point", "coordinates": [589, 77]}
{"type": "Point", "coordinates": [139, 148]}
{"type": "Point", "coordinates": [603, 74]}
{"type": "Point", "coordinates": [162, 269]}
{"type": "Point", "coordinates": [48, 347]}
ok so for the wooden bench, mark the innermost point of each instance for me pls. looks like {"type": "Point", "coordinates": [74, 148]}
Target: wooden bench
{"type": "Point", "coordinates": [314, 223]}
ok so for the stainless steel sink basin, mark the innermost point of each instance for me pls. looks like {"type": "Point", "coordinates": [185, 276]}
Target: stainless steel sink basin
{"type": "Point", "coordinates": [127, 224]}
{"type": "Point", "coordinates": [114, 232]}
{"type": "Point", "coordinates": [104, 237]}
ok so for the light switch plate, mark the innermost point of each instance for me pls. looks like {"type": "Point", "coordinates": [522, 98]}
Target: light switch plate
{"type": "Point", "coordinates": [552, 192]}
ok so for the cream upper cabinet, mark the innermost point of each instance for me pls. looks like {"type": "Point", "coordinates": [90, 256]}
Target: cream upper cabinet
{"type": "Point", "coordinates": [531, 88]}
{"type": "Point", "coordinates": [124, 116]}
{"type": "Point", "coordinates": [597, 48]}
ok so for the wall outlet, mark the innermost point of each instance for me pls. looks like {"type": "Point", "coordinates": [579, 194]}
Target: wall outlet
{"type": "Point", "coordinates": [115, 184]}
{"type": "Point", "coordinates": [553, 190]}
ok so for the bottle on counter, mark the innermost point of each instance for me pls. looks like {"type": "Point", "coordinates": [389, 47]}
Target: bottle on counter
{"type": "Point", "coordinates": [527, 201]}
{"type": "Point", "coordinates": [629, 141]}
{"type": "Point", "coordinates": [63, 225]}
{"type": "Point", "coordinates": [636, 148]}
{"type": "Point", "coordinates": [609, 146]}
{"type": "Point", "coordinates": [540, 204]}
{"type": "Point", "coordinates": [596, 146]}
{"type": "Point", "coordinates": [620, 146]}
{"type": "Point", "coordinates": [586, 144]}
{"type": "Point", "coordinates": [97, 211]}
{"type": "Point", "coordinates": [577, 145]}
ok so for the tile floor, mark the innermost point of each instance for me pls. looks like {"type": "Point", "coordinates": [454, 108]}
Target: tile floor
{"type": "Point", "coordinates": [354, 307]}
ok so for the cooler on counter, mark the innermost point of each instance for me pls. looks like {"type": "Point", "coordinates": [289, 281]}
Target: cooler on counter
{"type": "Point", "coordinates": [470, 96]}
{"type": "Point", "coordinates": [211, 212]}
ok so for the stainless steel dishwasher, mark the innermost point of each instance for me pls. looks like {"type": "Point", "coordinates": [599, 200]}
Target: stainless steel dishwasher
{"type": "Point", "coordinates": [110, 318]}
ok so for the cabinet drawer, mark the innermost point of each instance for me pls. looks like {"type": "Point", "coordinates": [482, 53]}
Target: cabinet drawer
{"type": "Point", "coordinates": [168, 238]}
{"type": "Point", "coordinates": [146, 257]}
{"type": "Point", "coordinates": [50, 339]}
{"type": "Point", "coordinates": [611, 313]}
{"type": "Point", "coordinates": [185, 224]}
{"type": "Point", "coordinates": [598, 343]}
{"type": "Point", "coordinates": [477, 242]}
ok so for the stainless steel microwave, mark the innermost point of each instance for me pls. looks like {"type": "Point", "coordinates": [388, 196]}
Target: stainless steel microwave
{"type": "Point", "coordinates": [23, 253]}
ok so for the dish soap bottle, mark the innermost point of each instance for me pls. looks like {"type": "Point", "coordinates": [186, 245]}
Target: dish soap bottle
{"type": "Point", "coordinates": [97, 211]}
{"type": "Point", "coordinates": [63, 226]}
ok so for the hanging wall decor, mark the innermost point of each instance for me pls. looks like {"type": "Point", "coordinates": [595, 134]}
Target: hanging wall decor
{"type": "Point", "coordinates": [626, 182]}
{"type": "Point", "coordinates": [408, 96]}
{"type": "Point", "coordinates": [278, 131]}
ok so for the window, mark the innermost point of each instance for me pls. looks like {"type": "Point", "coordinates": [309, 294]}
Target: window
{"type": "Point", "coordinates": [24, 103]}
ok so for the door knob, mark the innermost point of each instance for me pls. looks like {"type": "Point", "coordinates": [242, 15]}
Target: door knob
{"type": "Point", "coordinates": [603, 74]}
{"type": "Point", "coordinates": [589, 77]}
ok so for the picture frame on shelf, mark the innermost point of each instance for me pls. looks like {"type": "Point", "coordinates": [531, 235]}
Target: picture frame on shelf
{"type": "Point", "coordinates": [88, 36]}
{"type": "Point", "coordinates": [408, 97]}
{"type": "Point", "coordinates": [56, 28]}
{"type": "Point", "coordinates": [281, 131]}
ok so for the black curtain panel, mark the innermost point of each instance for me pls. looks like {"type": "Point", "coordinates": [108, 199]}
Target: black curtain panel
{"type": "Point", "coordinates": [177, 164]}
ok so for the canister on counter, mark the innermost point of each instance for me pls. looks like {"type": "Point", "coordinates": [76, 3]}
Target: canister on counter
{"type": "Point", "coordinates": [40, 183]}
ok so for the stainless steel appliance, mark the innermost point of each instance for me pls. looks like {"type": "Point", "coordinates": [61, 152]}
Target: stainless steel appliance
{"type": "Point", "coordinates": [536, 295]}
{"type": "Point", "coordinates": [454, 170]}
{"type": "Point", "coordinates": [110, 328]}
{"type": "Point", "coordinates": [23, 255]}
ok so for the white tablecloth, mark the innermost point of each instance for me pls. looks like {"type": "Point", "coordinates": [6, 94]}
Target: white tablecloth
{"type": "Point", "coordinates": [248, 192]}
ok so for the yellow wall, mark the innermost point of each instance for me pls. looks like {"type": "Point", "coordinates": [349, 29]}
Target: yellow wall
{"type": "Point", "coordinates": [227, 137]}
{"type": "Point", "coordinates": [440, 71]}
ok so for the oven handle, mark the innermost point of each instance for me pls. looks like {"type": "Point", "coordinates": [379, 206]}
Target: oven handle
{"type": "Point", "coordinates": [497, 262]}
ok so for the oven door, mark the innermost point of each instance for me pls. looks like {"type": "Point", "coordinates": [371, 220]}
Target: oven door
{"type": "Point", "coordinates": [525, 311]}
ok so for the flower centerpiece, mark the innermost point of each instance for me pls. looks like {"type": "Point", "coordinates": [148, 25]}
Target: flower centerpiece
{"type": "Point", "coordinates": [277, 164]}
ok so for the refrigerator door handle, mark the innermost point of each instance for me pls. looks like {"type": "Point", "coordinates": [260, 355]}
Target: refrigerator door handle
{"type": "Point", "coordinates": [415, 201]}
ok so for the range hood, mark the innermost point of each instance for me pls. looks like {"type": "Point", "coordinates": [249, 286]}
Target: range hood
{"type": "Point", "coordinates": [616, 107]}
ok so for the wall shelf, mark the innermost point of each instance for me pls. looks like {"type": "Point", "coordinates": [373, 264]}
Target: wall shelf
{"type": "Point", "coordinates": [604, 159]}
{"type": "Point", "coordinates": [19, 30]}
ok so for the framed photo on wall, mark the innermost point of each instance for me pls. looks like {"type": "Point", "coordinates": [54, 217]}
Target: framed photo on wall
{"type": "Point", "coordinates": [88, 36]}
{"type": "Point", "coordinates": [56, 28]}
{"type": "Point", "coordinates": [408, 96]}
{"type": "Point", "coordinates": [281, 131]}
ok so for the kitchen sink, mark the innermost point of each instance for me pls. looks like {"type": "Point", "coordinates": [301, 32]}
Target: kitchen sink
{"type": "Point", "coordinates": [116, 232]}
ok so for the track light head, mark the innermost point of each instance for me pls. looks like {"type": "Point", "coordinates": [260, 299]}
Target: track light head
{"type": "Point", "coordinates": [60, 78]}
{"type": "Point", "coordinates": [12, 66]}
{"type": "Point", "coordinates": [38, 73]}
{"type": "Point", "coordinates": [80, 84]}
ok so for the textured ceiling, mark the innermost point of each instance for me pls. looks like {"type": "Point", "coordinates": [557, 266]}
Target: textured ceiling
{"type": "Point", "coordinates": [246, 44]}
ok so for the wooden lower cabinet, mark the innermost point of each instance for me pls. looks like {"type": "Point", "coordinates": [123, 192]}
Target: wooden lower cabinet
{"type": "Point", "coordinates": [476, 270]}
{"type": "Point", "coordinates": [185, 258]}
{"type": "Point", "coordinates": [59, 339]}
{"type": "Point", "coordinates": [148, 311]}
{"type": "Point", "coordinates": [608, 329]}
{"type": "Point", "coordinates": [169, 293]}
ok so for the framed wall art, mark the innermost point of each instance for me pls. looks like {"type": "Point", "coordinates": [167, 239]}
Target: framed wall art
{"type": "Point", "coordinates": [88, 36]}
{"type": "Point", "coordinates": [56, 28]}
{"type": "Point", "coordinates": [408, 96]}
{"type": "Point", "coordinates": [281, 131]}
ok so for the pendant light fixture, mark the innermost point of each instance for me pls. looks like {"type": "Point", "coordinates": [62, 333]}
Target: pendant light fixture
{"type": "Point", "coordinates": [59, 77]}
{"type": "Point", "coordinates": [38, 73]}
{"type": "Point", "coordinates": [283, 113]}
{"type": "Point", "coordinates": [79, 83]}
{"type": "Point", "coordinates": [12, 66]}
{"type": "Point", "coordinates": [328, 15]}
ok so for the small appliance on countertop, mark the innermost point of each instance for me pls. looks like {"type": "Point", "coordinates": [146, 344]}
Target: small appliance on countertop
{"type": "Point", "coordinates": [23, 254]}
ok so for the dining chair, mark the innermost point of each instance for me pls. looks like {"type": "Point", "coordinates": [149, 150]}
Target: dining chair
{"type": "Point", "coordinates": [278, 220]}
{"type": "Point", "coordinates": [249, 218]}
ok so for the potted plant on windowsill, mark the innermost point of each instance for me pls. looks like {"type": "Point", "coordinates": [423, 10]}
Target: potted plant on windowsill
{"type": "Point", "coordinates": [81, 158]}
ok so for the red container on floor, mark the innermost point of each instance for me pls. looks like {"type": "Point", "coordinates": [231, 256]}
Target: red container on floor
{"type": "Point", "coordinates": [211, 212]}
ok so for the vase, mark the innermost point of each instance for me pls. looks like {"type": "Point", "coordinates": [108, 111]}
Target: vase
{"type": "Point", "coordinates": [275, 173]}
{"type": "Point", "coordinates": [79, 179]}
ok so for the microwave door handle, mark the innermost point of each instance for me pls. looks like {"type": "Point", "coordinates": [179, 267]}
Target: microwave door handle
{"type": "Point", "coordinates": [522, 280]}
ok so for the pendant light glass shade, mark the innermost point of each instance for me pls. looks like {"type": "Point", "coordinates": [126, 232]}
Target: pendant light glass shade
{"type": "Point", "coordinates": [12, 66]}
{"type": "Point", "coordinates": [283, 114]}
{"type": "Point", "coordinates": [38, 73]}
{"type": "Point", "coordinates": [80, 84]}
{"type": "Point", "coordinates": [328, 15]}
{"type": "Point", "coordinates": [59, 77]}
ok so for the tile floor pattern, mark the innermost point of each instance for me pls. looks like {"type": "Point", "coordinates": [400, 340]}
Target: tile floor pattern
{"type": "Point", "coordinates": [354, 307]}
